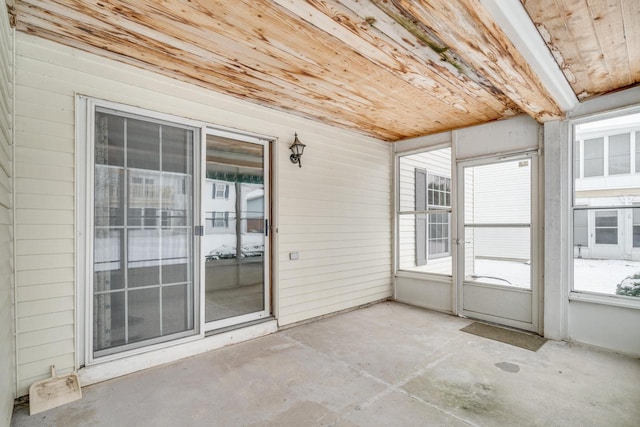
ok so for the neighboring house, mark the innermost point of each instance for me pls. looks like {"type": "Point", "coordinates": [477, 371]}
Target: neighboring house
{"type": "Point", "coordinates": [607, 176]}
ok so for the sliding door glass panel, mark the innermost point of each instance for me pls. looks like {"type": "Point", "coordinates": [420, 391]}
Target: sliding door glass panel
{"type": "Point", "coordinates": [234, 234]}
{"type": "Point", "coordinates": [143, 287]}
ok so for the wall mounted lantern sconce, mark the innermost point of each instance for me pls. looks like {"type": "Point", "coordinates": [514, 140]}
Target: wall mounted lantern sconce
{"type": "Point", "coordinates": [297, 148]}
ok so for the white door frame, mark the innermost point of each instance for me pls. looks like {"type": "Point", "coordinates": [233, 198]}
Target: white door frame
{"type": "Point", "coordinates": [495, 291]}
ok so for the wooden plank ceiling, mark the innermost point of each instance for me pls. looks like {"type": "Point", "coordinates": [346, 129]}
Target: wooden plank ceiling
{"type": "Point", "coordinates": [392, 69]}
{"type": "Point", "coordinates": [595, 42]}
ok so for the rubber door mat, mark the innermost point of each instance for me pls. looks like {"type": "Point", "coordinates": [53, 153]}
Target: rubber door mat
{"type": "Point", "coordinates": [507, 336]}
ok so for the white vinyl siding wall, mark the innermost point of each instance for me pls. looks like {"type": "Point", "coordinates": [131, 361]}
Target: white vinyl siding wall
{"type": "Point", "coordinates": [7, 344]}
{"type": "Point", "coordinates": [335, 210]}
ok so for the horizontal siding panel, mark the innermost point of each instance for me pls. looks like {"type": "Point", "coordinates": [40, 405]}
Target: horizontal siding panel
{"type": "Point", "coordinates": [322, 274]}
{"type": "Point", "coordinates": [44, 321]}
{"type": "Point", "coordinates": [286, 236]}
{"type": "Point", "coordinates": [334, 262]}
{"type": "Point", "coordinates": [44, 128]}
{"type": "Point", "coordinates": [44, 217]}
{"type": "Point", "coordinates": [338, 204]}
{"type": "Point", "coordinates": [335, 221]}
{"type": "Point", "coordinates": [31, 79]}
{"type": "Point", "coordinates": [46, 291]}
{"type": "Point", "coordinates": [5, 157]}
{"type": "Point", "coordinates": [5, 180]}
{"type": "Point", "coordinates": [336, 299]}
{"type": "Point", "coordinates": [5, 217]}
{"type": "Point", "coordinates": [313, 253]}
{"type": "Point", "coordinates": [37, 232]}
{"type": "Point", "coordinates": [45, 336]}
{"type": "Point", "coordinates": [367, 280]}
{"type": "Point", "coordinates": [334, 268]}
{"type": "Point", "coordinates": [28, 96]}
{"type": "Point", "coordinates": [332, 172]}
{"type": "Point", "coordinates": [45, 201]}
{"type": "Point", "coordinates": [34, 109]}
{"type": "Point", "coordinates": [331, 294]}
{"type": "Point", "coordinates": [40, 171]}
{"type": "Point", "coordinates": [306, 283]}
{"type": "Point", "coordinates": [315, 191]}
{"type": "Point", "coordinates": [321, 209]}
{"type": "Point", "coordinates": [42, 246]}
{"type": "Point", "coordinates": [45, 351]}
{"type": "Point", "coordinates": [45, 306]}
{"type": "Point", "coordinates": [287, 318]}
{"type": "Point", "coordinates": [43, 186]}
{"type": "Point", "coordinates": [332, 229]}
{"type": "Point", "coordinates": [43, 262]}
{"type": "Point", "coordinates": [42, 156]}
{"type": "Point", "coordinates": [44, 143]}
{"type": "Point", "coordinates": [295, 244]}
{"type": "Point", "coordinates": [41, 277]}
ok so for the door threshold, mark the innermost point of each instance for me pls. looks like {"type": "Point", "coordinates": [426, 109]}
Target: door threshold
{"type": "Point", "coordinates": [238, 326]}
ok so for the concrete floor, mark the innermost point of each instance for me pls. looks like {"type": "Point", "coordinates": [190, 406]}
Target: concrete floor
{"type": "Point", "coordinates": [385, 365]}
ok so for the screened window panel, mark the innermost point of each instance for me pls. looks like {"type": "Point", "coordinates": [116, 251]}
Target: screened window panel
{"type": "Point", "coordinates": [607, 219]}
{"type": "Point", "coordinates": [109, 134]}
{"type": "Point", "coordinates": [576, 159]}
{"type": "Point", "coordinates": [143, 235]}
{"type": "Point", "coordinates": [580, 228]}
{"type": "Point", "coordinates": [619, 154]}
{"type": "Point", "coordinates": [176, 150]}
{"type": "Point", "coordinates": [594, 157]}
{"type": "Point", "coordinates": [108, 260]}
{"type": "Point", "coordinates": [143, 265]}
{"type": "Point", "coordinates": [109, 195]}
{"type": "Point", "coordinates": [109, 320]}
{"type": "Point", "coordinates": [143, 314]}
{"type": "Point", "coordinates": [637, 152]}
{"type": "Point", "coordinates": [606, 227]}
{"type": "Point", "coordinates": [175, 309]}
{"type": "Point", "coordinates": [143, 145]}
{"type": "Point", "coordinates": [176, 255]}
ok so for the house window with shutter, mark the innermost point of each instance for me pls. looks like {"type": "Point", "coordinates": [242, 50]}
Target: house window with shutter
{"type": "Point", "coordinates": [432, 194]}
{"type": "Point", "coordinates": [424, 212]}
{"type": "Point", "coordinates": [220, 191]}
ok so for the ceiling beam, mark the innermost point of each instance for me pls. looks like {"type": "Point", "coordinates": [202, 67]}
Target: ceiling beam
{"type": "Point", "coordinates": [513, 19]}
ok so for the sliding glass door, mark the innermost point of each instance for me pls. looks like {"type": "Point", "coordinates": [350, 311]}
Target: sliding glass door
{"type": "Point", "coordinates": [235, 235]}
{"type": "Point", "coordinates": [143, 237]}
{"type": "Point", "coordinates": [177, 229]}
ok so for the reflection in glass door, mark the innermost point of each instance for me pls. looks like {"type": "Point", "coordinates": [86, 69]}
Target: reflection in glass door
{"type": "Point", "coordinates": [143, 269]}
{"type": "Point", "coordinates": [234, 244]}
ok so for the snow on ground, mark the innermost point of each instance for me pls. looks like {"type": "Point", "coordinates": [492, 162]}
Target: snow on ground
{"type": "Point", "coordinates": [593, 275]}
{"type": "Point", "coordinates": [602, 275]}
{"type": "Point", "coordinates": [506, 273]}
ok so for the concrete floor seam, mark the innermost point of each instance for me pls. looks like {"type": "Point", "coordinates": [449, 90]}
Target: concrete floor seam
{"type": "Point", "coordinates": [390, 387]}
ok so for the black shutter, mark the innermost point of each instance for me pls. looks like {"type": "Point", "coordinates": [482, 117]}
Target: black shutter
{"type": "Point", "coordinates": [421, 219]}
{"type": "Point", "coordinates": [226, 191]}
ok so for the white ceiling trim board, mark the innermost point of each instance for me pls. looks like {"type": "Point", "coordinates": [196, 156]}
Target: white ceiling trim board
{"type": "Point", "coordinates": [513, 19]}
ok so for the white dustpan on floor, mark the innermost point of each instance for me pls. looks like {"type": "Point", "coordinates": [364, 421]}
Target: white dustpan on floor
{"type": "Point", "coordinates": [53, 392]}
